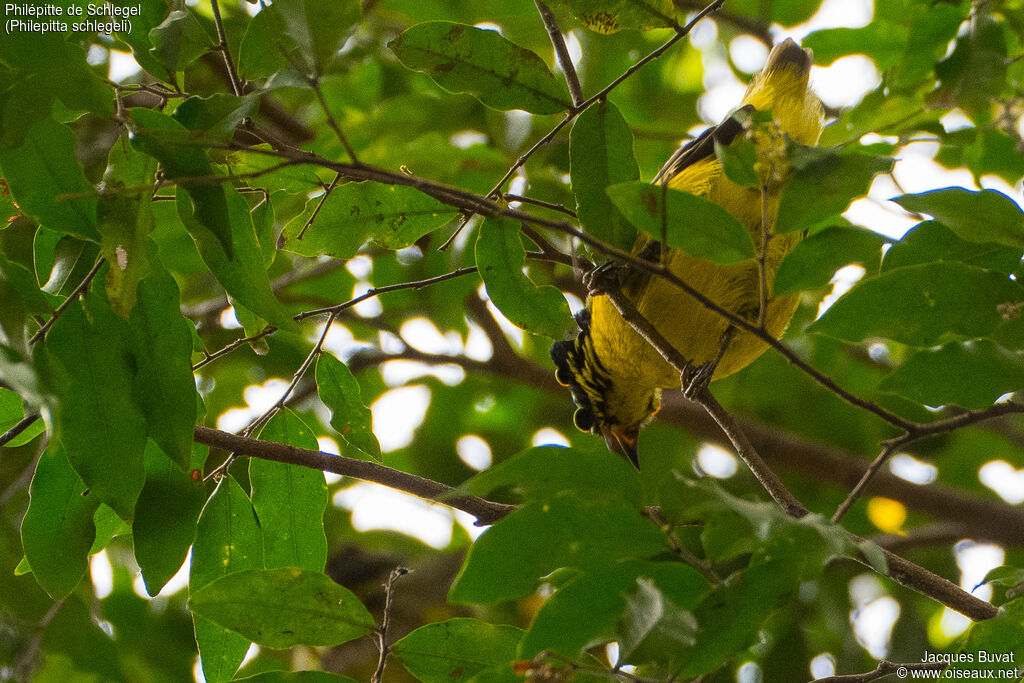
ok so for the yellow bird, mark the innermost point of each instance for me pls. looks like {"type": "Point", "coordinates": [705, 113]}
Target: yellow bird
{"type": "Point", "coordinates": [616, 377]}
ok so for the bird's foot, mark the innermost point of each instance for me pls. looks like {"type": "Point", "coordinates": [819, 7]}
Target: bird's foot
{"type": "Point", "coordinates": [603, 278]}
{"type": "Point", "coordinates": [695, 379]}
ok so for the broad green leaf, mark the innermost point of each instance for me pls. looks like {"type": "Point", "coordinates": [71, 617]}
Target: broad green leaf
{"type": "Point", "coordinates": [652, 626]}
{"type": "Point", "coordinates": [315, 30]}
{"type": "Point", "coordinates": [922, 305]}
{"type": "Point", "coordinates": [97, 419]}
{"type": "Point", "coordinates": [985, 216]}
{"type": "Point", "coordinates": [125, 220]}
{"type": "Point", "coordinates": [739, 161]}
{"type": "Point", "coordinates": [882, 41]}
{"type": "Point", "coordinates": [170, 143]}
{"type": "Point", "coordinates": [296, 677]}
{"type": "Point", "coordinates": [971, 374]}
{"type": "Point", "coordinates": [74, 633]}
{"type": "Point", "coordinates": [483, 63]}
{"type": "Point", "coordinates": [814, 260]}
{"type": "Point", "coordinates": [166, 515]}
{"type": "Point", "coordinates": [339, 391]}
{"type": "Point", "coordinates": [152, 14]}
{"type": "Point", "coordinates": [545, 472]}
{"type": "Point", "coordinates": [601, 154]}
{"type": "Point", "coordinates": [290, 500]}
{"type": "Point", "coordinates": [699, 227]}
{"type": "Point", "coordinates": [882, 113]}
{"type": "Point", "coordinates": [457, 649]}
{"type": "Point", "coordinates": [976, 69]}
{"type": "Point", "coordinates": [161, 342]}
{"type": "Point", "coordinates": [217, 115]}
{"type": "Point", "coordinates": [393, 216]}
{"type": "Point", "coordinates": [108, 526]}
{"type": "Point", "coordinates": [930, 241]}
{"type": "Point", "coordinates": [228, 539]}
{"type": "Point", "coordinates": [931, 29]}
{"type": "Point", "coordinates": [57, 531]}
{"type": "Point", "coordinates": [731, 616]}
{"type": "Point", "coordinates": [611, 16]}
{"type": "Point", "coordinates": [509, 559]}
{"type": "Point", "coordinates": [826, 186]}
{"type": "Point", "coordinates": [243, 274]}
{"type": "Point", "coordinates": [11, 413]}
{"type": "Point", "coordinates": [41, 170]}
{"type": "Point", "coordinates": [588, 610]}
{"type": "Point", "coordinates": [179, 40]}
{"type": "Point", "coordinates": [1003, 636]}
{"type": "Point", "coordinates": [255, 60]}
{"type": "Point", "coordinates": [499, 258]}
{"type": "Point", "coordinates": [280, 608]}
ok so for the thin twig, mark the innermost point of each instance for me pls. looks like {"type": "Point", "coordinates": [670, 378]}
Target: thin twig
{"type": "Point", "coordinates": [382, 633]}
{"type": "Point", "coordinates": [572, 80]}
{"type": "Point", "coordinates": [331, 121]}
{"type": "Point", "coordinates": [888, 447]}
{"type": "Point", "coordinates": [510, 197]}
{"type": "Point", "coordinates": [210, 357]}
{"type": "Point", "coordinates": [485, 511]}
{"type": "Point", "coordinates": [655, 514]}
{"type": "Point", "coordinates": [319, 205]}
{"type": "Point", "coordinates": [222, 47]}
{"type": "Point", "coordinates": [17, 429]}
{"type": "Point", "coordinates": [82, 286]}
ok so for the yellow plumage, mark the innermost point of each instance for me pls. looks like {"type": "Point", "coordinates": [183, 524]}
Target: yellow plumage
{"type": "Point", "coordinates": [615, 375]}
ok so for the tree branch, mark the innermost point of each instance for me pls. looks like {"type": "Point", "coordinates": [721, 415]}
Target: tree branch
{"type": "Point", "coordinates": [884, 668]}
{"type": "Point", "coordinates": [572, 80]}
{"type": "Point", "coordinates": [485, 511]}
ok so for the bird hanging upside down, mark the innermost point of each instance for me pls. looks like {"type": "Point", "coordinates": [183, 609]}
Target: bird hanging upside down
{"type": "Point", "coordinates": [616, 377]}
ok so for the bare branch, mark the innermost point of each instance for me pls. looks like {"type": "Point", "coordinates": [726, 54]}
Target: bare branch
{"type": "Point", "coordinates": [222, 47]}
{"type": "Point", "coordinates": [485, 511]}
{"type": "Point", "coordinates": [572, 80]}
{"type": "Point", "coordinates": [82, 286]}
{"type": "Point", "coordinates": [382, 633]}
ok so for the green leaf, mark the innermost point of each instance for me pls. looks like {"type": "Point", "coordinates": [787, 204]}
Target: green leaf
{"type": "Point", "coordinates": [57, 530]}
{"type": "Point", "coordinates": [699, 227]}
{"type": "Point", "coordinates": [985, 216]}
{"type": "Point", "coordinates": [280, 608]}
{"type": "Point", "coordinates": [976, 69]}
{"type": "Point", "coordinates": [931, 29]}
{"type": "Point", "coordinates": [833, 179]}
{"type": "Point", "coordinates": [217, 115]}
{"type": "Point", "coordinates": [125, 220]}
{"type": "Point", "coordinates": [228, 539]}
{"type": "Point", "coordinates": [588, 610]}
{"type": "Point", "coordinates": [151, 15]}
{"type": "Point", "coordinates": [179, 40]}
{"type": "Point", "coordinates": [340, 392]}
{"type": "Point", "coordinates": [108, 525]}
{"type": "Point", "coordinates": [393, 216]}
{"type": "Point", "coordinates": [170, 143]}
{"type": "Point", "coordinates": [11, 413]}
{"type": "Point", "coordinates": [611, 16]}
{"type": "Point", "coordinates": [483, 63]}
{"type": "Point", "coordinates": [922, 305]}
{"type": "Point", "coordinates": [296, 676]}
{"type": "Point", "coordinates": [290, 500]}
{"type": "Point", "coordinates": [166, 515]}
{"type": "Point", "coordinates": [814, 260]}
{"type": "Point", "coordinates": [74, 633]}
{"type": "Point", "coordinates": [161, 342]}
{"type": "Point", "coordinates": [882, 41]}
{"type": "Point", "coordinates": [508, 560]}
{"type": "Point", "coordinates": [41, 170]}
{"type": "Point", "coordinates": [739, 161]}
{"type": "Point", "coordinates": [242, 274]}
{"type": "Point", "coordinates": [971, 374]}
{"type": "Point", "coordinates": [1003, 635]}
{"type": "Point", "coordinates": [545, 472]}
{"type": "Point", "coordinates": [457, 649]}
{"type": "Point", "coordinates": [601, 154]}
{"type": "Point", "coordinates": [652, 626]}
{"type": "Point", "coordinates": [316, 28]}
{"type": "Point", "coordinates": [97, 420]}
{"type": "Point", "coordinates": [500, 257]}
{"type": "Point", "coordinates": [932, 241]}
{"type": "Point", "coordinates": [255, 60]}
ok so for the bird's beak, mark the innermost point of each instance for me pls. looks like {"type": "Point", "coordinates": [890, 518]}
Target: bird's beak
{"type": "Point", "coordinates": [623, 442]}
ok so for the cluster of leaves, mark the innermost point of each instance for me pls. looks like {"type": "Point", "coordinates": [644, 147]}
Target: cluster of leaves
{"type": "Point", "coordinates": [135, 214]}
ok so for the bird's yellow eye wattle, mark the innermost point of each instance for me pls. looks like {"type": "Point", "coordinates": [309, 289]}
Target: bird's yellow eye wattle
{"type": "Point", "coordinates": [583, 419]}
{"type": "Point", "coordinates": [563, 376]}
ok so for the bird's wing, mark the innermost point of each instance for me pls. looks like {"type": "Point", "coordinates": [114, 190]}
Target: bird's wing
{"type": "Point", "coordinates": [703, 146]}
